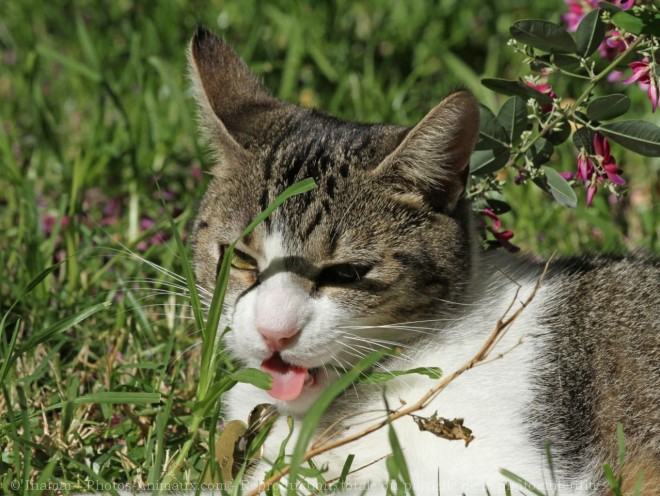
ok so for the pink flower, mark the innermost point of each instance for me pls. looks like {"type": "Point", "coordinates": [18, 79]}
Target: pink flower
{"type": "Point", "coordinates": [577, 9]}
{"type": "Point", "coordinates": [596, 167]}
{"type": "Point", "coordinates": [585, 168]}
{"type": "Point", "coordinates": [146, 223]}
{"type": "Point", "coordinates": [591, 192]}
{"type": "Point", "coordinates": [502, 237]}
{"type": "Point", "coordinates": [644, 75]}
{"type": "Point", "coordinates": [606, 160]}
{"type": "Point", "coordinates": [546, 89]}
{"type": "Point", "coordinates": [48, 223]}
{"type": "Point", "coordinates": [641, 71]}
{"type": "Point", "coordinates": [613, 45]}
{"type": "Point", "coordinates": [497, 223]}
{"type": "Point", "coordinates": [624, 4]}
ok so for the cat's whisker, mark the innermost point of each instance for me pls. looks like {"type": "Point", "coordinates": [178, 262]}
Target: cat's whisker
{"type": "Point", "coordinates": [458, 303]}
{"type": "Point", "coordinates": [158, 292]}
{"type": "Point", "coordinates": [375, 343]}
{"type": "Point", "coordinates": [421, 330]}
{"type": "Point", "coordinates": [340, 364]}
{"type": "Point", "coordinates": [127, 253]}
{"type": "Point", "coordinates": [186, 350]}
{"type": "Point", "coordinates": [359, 354]}
{"type": "Point", "coordinates": [164, 292]}
{"type": "Point", "coordinates": [160, 282]}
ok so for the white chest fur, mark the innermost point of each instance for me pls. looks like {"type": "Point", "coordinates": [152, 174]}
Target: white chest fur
{"type": "Point", "coordinates": [493, 399]}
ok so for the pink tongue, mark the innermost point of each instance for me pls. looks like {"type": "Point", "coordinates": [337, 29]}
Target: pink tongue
{"type": "Point", "coordinates": [288, 380]}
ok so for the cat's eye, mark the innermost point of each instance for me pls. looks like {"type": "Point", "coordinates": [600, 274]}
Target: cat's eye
{"type": "Point", "coordinates": [243, 261]}
{"type": "Point", "coordinates": [345, 273]}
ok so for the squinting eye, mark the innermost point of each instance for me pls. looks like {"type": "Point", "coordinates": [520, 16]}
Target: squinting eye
{"type": "Point", "coordinates": [345, 273]}
{"type": "Point", "coordinates": [243, 261]}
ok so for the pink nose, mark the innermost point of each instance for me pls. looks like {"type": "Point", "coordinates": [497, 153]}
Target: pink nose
{"type": "Point", "coordinates": [278, 340]}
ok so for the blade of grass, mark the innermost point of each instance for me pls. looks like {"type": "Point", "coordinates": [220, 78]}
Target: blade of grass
{"type": "Point", "coordinates": [219, 293]}
{"type": "Point", "coordinates": [25, 421]}
{"type": "Point", "coordinates": [69, 63]}
{"type": "Point", "coordinates": [316, 411]}
{"type": "Point", "coordinates": [516, 479]}
{"type": "Point", "coordinates": [398, 457]}
{"type": "Point", "coordinates": [61, 326]}
{"type": "Point", "coordinates": [8, 353]}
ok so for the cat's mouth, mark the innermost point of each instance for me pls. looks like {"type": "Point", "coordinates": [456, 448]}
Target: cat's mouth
{"type": "Point", "coordinates": [288, 380]}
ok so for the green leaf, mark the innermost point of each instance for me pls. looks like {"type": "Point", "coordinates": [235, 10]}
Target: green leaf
{"type": "Point", "coordinates": [540, 152]}
{"type": "Point", "coordinates": [639, 136]}
{"type": "Point", "coordinates": [380, 377]}
{"type": "Point", "coordinates": [513, 118]}
{"type": "Point", "coordinates": [486, 161]}
{"type": "Point", "coordinates": [584, 138]}
{"type": "Point", "coordinates": [642, 22]}
{"type": "Point", "coordinates": [316, 411]}
{"type": "Point", "coordinates": [491, 132]}
{"type": "Point", "coordinates": [559, 188]}
{"type": "Point", "coordinates": [561, 135]}
{"type": "Point", "coordinates": [256, 377]}
{"type": "Point", "coordinates": [590, 33]}
{"type": "Point", "coordinates": [511, 88]}
{"type": "Point", "coordinates": [608, 107]}
{"type": "Point", "coordinates": [609, 7]}
{"type": "Point", "coordinates": [498, 207]}
{"type": "Point", "coordinates": [628, 22]}
{"type": "Point", "coordinates": [543, 35]}
{"type": "Point", "coordinates": [561, 60]}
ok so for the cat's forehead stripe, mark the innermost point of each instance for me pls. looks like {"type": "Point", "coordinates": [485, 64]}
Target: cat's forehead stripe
{"type": "Point", "coordinates": [273, 247]}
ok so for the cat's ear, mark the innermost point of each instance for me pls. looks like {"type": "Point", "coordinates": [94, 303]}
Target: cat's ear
{"type": "Point", "coordinates": [433, 157]}
{"type": "Point", "coordinates": [235, 106]}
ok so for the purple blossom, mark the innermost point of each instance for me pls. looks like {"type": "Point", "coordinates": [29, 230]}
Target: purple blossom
{"type": "Point", "coordinates": [644, 74]}
{"type": "Point", "coordinates": [591, 192]}
{"type": "Point", "coordinates": [606, 160]}
{"type": "Point", "coordinates": [544, 88]}
{"type": "Point", "coordinates": [577, 9]}
{"type": "Point", "coordinates": [585, 168]}
{"type": "Point", "coordinates": [49, 221]}
{"type": "Point", "coordinates": [146, 223]}
{"type": "Point", "coordinates": [594, 168]}
{"type": "Point", "coordinates": [502, 237]}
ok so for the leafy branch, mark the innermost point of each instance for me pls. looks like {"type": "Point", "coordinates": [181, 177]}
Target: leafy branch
{"type": "Point", "coordinates": [535, 120]}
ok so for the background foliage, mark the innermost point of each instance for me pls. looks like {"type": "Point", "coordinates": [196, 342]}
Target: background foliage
{"type": "Point", "coordinates": [98, 144]}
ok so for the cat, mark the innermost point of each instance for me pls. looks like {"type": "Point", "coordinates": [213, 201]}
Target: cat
{"type": "Point", "coordinates": [383, 253]}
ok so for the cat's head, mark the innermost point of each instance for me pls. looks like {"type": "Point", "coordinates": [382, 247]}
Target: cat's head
{"type": "Point", "coordinates": [335, 272]}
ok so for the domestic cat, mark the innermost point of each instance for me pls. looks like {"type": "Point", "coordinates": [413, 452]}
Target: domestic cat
{"type": "Point", "coordinates": [383, 253]}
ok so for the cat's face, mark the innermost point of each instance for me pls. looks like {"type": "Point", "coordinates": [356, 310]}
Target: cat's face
{"type": "Point", "coordinates": [337, 271]}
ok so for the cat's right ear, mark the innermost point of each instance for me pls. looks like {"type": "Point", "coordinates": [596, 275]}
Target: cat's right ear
{"type": "Point", "coordinates": [432, 159]}
{"type": "Point", "coordinates": [234, 105]}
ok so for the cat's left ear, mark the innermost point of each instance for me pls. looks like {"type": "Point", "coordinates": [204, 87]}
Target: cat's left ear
{"type": "Point", "coordinates": [433, 157]}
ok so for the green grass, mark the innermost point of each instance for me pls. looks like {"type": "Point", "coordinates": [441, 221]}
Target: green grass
{"type": "Point", "coordinates": [98, 148]}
